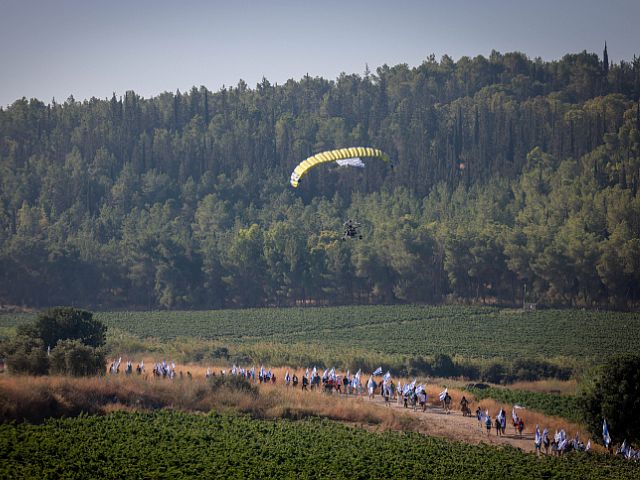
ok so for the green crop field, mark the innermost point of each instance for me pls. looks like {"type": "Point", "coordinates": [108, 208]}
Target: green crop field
{"type": "Point", "coordinates": [180, 445]}
{"type": "Point", "coordinates": [471, 332]}
{"type": "Point", "coordinates": [565, 406]}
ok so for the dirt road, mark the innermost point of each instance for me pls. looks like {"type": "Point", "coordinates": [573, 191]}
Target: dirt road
{"type": "Point", "coordinates": [454, 426]}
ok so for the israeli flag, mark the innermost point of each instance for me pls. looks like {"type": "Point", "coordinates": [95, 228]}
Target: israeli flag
{"type": "Point", "coordinates": [356, 380]}
{"type": "Point", "coordinates": [588, 446]}
{"type": "Point", "coordinates": [605, 434]}
{"type": "Point", "coordinates": [538, 439]}
{"type": "Point", "coordinates": [443, 394]}
{"type": "Point", "coordinates": [377, 371]}
{"type": "Point", "coordinates": [624, 448]}
{"type": "Point", "coordinates": [387, 377]}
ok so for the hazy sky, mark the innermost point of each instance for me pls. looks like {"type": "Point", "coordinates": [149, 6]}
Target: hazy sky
{"type": "Point", "coordinates": [91, 48]}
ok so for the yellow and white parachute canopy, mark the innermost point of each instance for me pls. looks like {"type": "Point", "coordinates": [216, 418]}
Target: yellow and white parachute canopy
{"type": "Point", "coordinates": [345, 157]}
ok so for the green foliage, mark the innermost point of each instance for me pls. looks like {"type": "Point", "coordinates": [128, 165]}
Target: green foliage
{"type": "Point", "coordinates": [66, 323]}
{"type": "Point", "coordinates": [180, 445]}
{"type": "Point", "coordinates": [565, 406]}
{"type": "Point", "coordinates": [72, 357]}
{"type": "Point", "coordinates": [528, 345]}
{"type": "Point", "coordinates": [612, 392]}
{"type": "Point", "coordinates": [508, 171]}
{"type": "Point", "coordinates": [25, 354]}
{"type": "Point", "coordinates": [233, 382]}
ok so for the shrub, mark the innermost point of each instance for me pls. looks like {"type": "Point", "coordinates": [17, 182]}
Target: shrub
{"type": "Point", "coordinates": [612, 392]}
{"type": "Point", "coordinates": [62, 323]}
{"type": "Point", "coordinates": [232, 382]}
{"type": "Point", "coordinates": [72, 357]}
{"type": "Point", "coordinates": [443, 366]}
{"type": "Point", "coordinates": [25, 355]}
{"type": "Point", "coordinates": [494, 373]}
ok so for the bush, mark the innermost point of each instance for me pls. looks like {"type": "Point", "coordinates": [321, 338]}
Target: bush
{"type": "Point", "coordinates": [612, 392]}
{"type": "Point", "coordinates": [419, 366]}
{"type": "Point", "coordinates": [62, 323]}
{"type": "Point", "coordinates": [527, 369]}
{"type": "Point", "coordinates": [232, 382]}
{"type": "Point", "coordinates": [494, 373]}
{"type": "Point", "coordinates": [72, 357]}
{"type": "Point", "coordinates": [25, 355]}
{"type": "Point", "coordinates": [443, 366]}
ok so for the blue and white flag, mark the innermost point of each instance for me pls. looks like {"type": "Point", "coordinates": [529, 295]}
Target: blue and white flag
{"type": "Point", "coordinates": [306, 374]}
{"type": "Point", "coordinates": [624, 447]}
{"type": "Point", "coordinates": [356, 380]}
{"type": "Point", "coordinates": [332, 374]}
{"type": "Point", "coordinates": [588, 447]}
{"type": "Point", "coordinates": [538, 439]}
{"type": "Point", "coordinates": [605, 434]}
{"type": "Point", "coordinates": [443, 394]}
{"type": "Point", "coordinates": [377, 371]}
{"type": "Point", "coordinates": [387, 377]}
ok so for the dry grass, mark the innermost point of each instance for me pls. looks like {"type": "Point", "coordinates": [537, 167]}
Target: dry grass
{"type": "Point", "coordinates": [565, 387]}
{"type": "Point", "coordinates": [34, 399]}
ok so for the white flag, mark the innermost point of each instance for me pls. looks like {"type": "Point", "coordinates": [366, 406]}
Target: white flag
{"type": "Point", "coordinates": [443, 394]}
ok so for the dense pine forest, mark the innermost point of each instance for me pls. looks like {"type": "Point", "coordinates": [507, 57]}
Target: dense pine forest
{"type": "Point", "coordinates": [515, 180]}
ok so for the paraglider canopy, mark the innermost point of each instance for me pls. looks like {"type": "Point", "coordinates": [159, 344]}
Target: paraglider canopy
{"type": "Point", "coordinates": [345, 157]}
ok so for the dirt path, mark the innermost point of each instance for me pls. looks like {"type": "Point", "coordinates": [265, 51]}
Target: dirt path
{"type": "Point", "coordinates": [435, 422]}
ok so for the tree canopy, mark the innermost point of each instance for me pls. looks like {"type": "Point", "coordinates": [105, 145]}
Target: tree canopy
{"type": "Point", "coordinates": [509, 172]}
{"type": "Point", "coordinates": [613, 393]}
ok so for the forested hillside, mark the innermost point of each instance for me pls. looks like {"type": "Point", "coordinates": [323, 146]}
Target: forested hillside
{"type": "Point", "coordinates": [508, 172]}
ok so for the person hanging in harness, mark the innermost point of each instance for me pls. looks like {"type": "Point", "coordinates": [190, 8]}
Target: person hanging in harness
{"type": "Point", "coordinates": [351, 230]}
